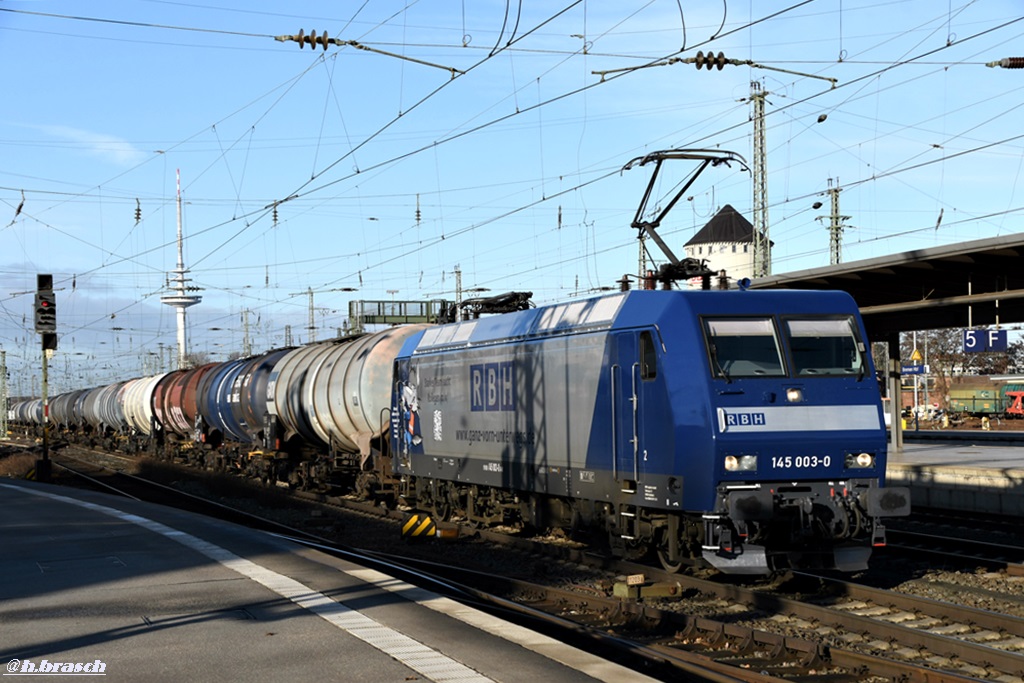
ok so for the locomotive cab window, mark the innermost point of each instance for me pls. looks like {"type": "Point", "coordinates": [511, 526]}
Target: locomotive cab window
{"type": "Point", "coordinates": [743, 347]}
{"type": "Point", "coordinates": [825, 346]}
{"type": "Point", "coordinates": [648, 357]}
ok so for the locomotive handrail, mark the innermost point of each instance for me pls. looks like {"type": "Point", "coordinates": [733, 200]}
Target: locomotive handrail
{"type": "Point", "coordinates": [615, 420]}
{"type": "Point", "coordinates": [636, 422]}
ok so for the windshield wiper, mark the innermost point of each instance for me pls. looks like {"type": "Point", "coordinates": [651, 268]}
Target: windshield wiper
{"type": "Point", "coordinates": [718, 365]}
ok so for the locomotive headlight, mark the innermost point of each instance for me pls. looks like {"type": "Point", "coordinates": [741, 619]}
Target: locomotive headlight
{"type": "Point", "coordinates": [740, 463]}
{"type": "Point", "coordinates": [795, 395]}
{"type": "Point", "coordinates": [859, 461]}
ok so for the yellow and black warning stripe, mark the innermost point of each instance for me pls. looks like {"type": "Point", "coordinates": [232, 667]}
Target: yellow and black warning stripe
{"type": "Point", "coordinates": [419, 525]}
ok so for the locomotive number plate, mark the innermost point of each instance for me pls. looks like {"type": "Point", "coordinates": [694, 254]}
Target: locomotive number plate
{"type": "Point", "coordinates": [800, 461]}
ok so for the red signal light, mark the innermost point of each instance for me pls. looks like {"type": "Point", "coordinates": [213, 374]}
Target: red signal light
{"type": "Point", "coordinates": [46, 311]}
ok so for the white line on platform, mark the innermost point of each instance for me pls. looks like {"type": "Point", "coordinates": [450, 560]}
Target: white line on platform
{"type": "Point", "coordinates": [426, 661]}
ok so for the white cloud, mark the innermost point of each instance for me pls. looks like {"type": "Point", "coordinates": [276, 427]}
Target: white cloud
{"type": "Point", "coordinates": [108, 147]}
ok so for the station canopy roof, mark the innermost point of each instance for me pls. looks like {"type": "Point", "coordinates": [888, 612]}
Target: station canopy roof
{"type": "Point", "coordinates": [971, 284]}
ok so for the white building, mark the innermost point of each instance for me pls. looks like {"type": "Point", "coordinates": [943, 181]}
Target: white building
{"type": "Point", "coordinates": [725, 243]}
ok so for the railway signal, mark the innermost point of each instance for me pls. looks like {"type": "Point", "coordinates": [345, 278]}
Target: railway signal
{"type": "Point", "coordinates": [46, 311]}
{"type": "Point", "coordinates": [46, 326]}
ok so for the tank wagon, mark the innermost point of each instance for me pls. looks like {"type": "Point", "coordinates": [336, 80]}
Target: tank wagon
{"type": "Point", "coordinates": [740, 430]}
{"type": "Point", "coordinates": [327, 409]}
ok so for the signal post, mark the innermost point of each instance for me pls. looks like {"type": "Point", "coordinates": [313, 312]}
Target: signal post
{"type": "Point", "coordinates": [46, 326]}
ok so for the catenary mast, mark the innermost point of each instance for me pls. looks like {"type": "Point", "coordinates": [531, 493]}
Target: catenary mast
{"type": "Point", "coordinates": [762, 245]}
{"type": "Point", "coordinates": [179, 296]}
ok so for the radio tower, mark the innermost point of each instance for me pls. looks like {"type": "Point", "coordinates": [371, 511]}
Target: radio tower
{"type": "Point", "coordinates": [179, 298]}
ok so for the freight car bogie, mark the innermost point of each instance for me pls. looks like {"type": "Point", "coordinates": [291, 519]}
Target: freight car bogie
{"type": "Point", "coordinates": [134, 444]}
{"type": "Point", "coordinates": [285, 470]}
{"type": "Point", "coordinates": [475, 504]}
{"type": "Point", "coordinates": [373, 480]}
{"type": "Point", "coordinates": [322, 471]}
{"type": "Point", "coordinates": [328, 467]}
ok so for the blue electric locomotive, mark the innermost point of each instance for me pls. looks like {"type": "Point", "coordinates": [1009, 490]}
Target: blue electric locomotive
{"type": "Point", "coordinates": [738, 429]}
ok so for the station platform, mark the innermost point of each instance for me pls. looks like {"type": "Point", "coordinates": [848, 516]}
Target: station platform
{"type": "Point", "coordinates": [969, 472]}
{"type": "Point", "coordinates": [136, 591]}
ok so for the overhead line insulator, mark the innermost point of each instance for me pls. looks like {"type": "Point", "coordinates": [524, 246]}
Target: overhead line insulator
{"type": "Point", "coordinates": [312, 39]}
{"type": "Point", "coordinates": [324, 40]}
{"type": "Point", "coordinates": [1008, 63]}
{"type": "Point", "coordinates": [720, 60]}
{"type": "Point", "coordinates": [710, 60]}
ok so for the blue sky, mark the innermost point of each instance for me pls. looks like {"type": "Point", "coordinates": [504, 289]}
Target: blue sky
{"type": "Point", "coordinates": [471, 136]}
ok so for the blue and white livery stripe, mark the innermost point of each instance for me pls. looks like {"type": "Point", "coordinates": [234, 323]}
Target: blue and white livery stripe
{"type": "Point", "coordinates": [799, 418]}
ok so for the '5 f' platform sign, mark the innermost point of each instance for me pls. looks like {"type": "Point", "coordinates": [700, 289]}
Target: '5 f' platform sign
{"type": "Point", "coordinates": [984, 340]}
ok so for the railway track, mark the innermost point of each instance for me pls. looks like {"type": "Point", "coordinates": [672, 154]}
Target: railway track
{"type": "Point", "coordinates": [965, 524]}
{"type": "Point", "coordinates": [934, 435]}
{"type": "Point", "coordinates": [973, 641]}
{"type": "Point", "coordinates": [962, 538]}
{"type": "Point", "coordinates": [831, 630]}
{"type": "Point", "coordinates": [967, 551]}
{"type": "Point", "coordinates": [701, 640]}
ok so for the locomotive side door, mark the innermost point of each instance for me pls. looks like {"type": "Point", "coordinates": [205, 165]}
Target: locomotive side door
{"type": "Point", "coordinates": [631, 374]}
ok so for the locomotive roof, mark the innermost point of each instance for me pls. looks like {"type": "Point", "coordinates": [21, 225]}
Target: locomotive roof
{"type": "Point", "coordinates": [620, 310]}
{"type": "Point", "coordinates": [586, 314]}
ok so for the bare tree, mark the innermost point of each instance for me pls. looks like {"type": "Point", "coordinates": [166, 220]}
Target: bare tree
{"type": "Point", "coordinates": [880, 355]}
{"type": "Point", "coordinates": [196, 358]}
{"type": "Point", "coordinates": [948, 363]}
{"type": "Point", "coordinates": [1015, 357]}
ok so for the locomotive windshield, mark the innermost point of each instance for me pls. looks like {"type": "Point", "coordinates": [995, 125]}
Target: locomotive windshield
{"type": "Point", "coordinates": [825, 346]}
{"type": "Point", "coordinates": [744, 347]}
{"type": "Point", "coordinates": [750, 347]}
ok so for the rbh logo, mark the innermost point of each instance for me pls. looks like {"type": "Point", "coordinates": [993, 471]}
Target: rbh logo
{"type": "Point", "coordinates": [744, 419]}
{"type": "Point", "coordinates": [492, 386]}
